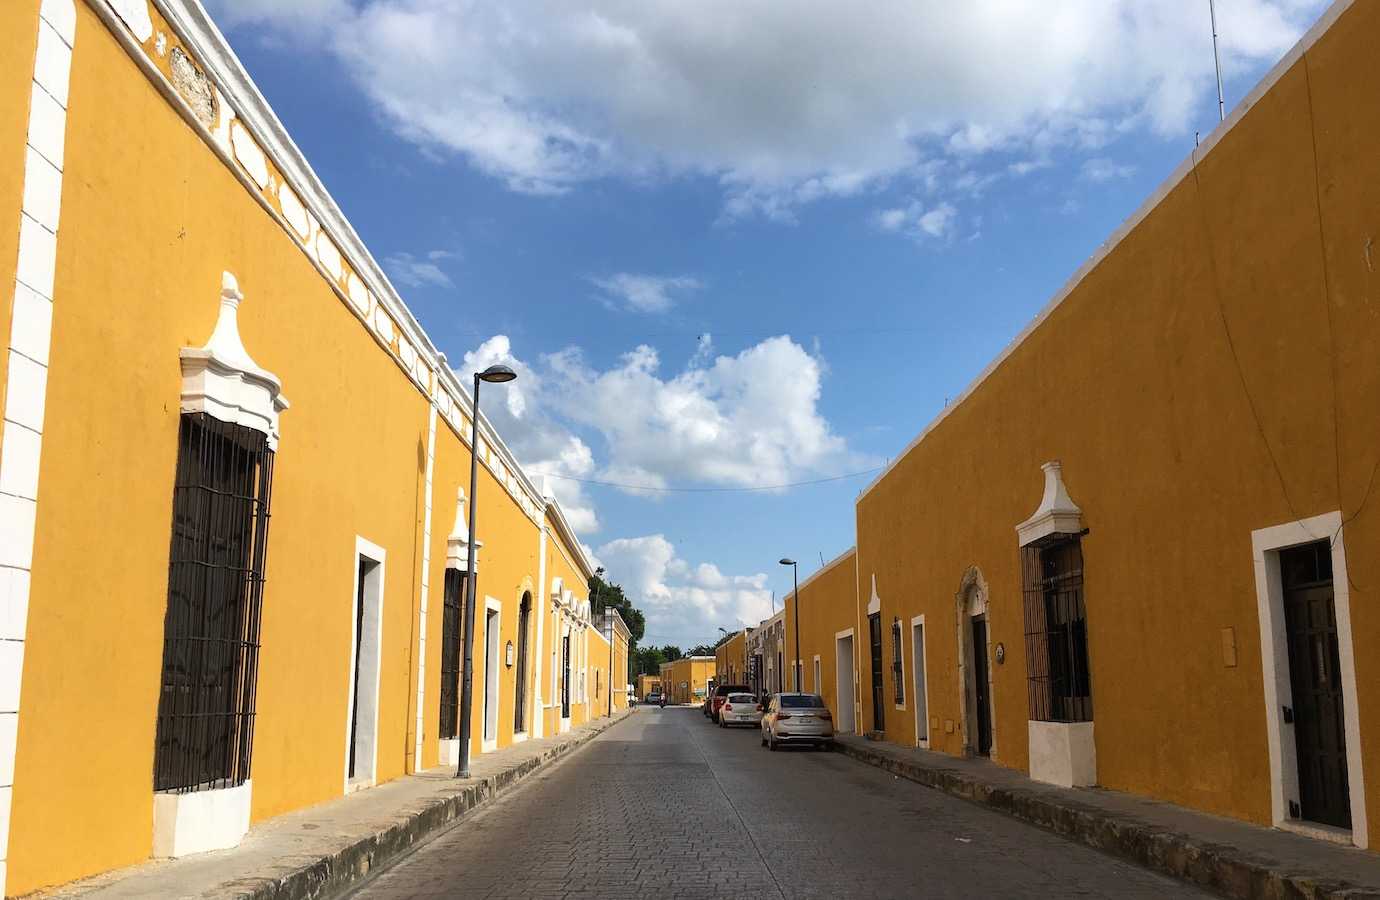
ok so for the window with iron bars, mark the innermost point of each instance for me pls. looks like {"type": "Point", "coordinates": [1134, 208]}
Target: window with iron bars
{"type": "Point", "coordinates": [1056, 630]}
{"type": "Point", "coordinates": [452, 628]}
{"type": "Point", "coordinates": [897, 667]}
{"type": "Point", "coordinates": [205, 728]}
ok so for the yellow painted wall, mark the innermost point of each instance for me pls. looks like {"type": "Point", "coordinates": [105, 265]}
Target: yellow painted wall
{"type": "Point", "coordinates": [828, 602]}
{"type": "Point", "coordinates": [150, 219]}
{"type": "Point", "coordinates": [695, 672]}
{"type": "Point", "coordinates": [1176, 442]}
{"type": "Point", "coordinates": [647, 683]}
{"type": "Point", "coordinates": [597, 679]}
{"type": "Point", "coordinates": [18, 41]}
{"type": "Point", "coordinates": [730, 660]}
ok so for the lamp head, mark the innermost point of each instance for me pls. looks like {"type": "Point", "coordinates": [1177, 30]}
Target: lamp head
{"type": "Point", "coordinates": [787, 562]}
{"type": "Point", "coordinates": [497, 375]}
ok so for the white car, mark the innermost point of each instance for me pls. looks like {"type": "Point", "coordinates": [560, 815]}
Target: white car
{"type": "Point", "coordinates": [740, 709]}
{"type": "Point", "coordinates": [797, 719]}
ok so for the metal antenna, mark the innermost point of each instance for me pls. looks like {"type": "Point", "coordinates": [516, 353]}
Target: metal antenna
{"type": "Point", "coordinates": [1217, 58]}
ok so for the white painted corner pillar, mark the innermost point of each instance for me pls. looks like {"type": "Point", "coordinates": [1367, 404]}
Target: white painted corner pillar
{"type": "Point", "coordinates": [1061, 753]}
{"type": "Point", "coordinates": [27, 366]}
{"type": "Point", "coordinates": [424, 595]}
{"type": "Point", "coordinates": [221, 380]}
{"type": "Point", "coordinates": [538, 726]}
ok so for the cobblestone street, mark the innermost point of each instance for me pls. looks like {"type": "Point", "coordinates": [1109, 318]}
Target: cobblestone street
{"type": "Point", "coordinates": [666, 805]}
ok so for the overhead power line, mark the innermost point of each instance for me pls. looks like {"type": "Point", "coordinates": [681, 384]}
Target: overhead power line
{"type": "Point", "coordinates": [710, 490]}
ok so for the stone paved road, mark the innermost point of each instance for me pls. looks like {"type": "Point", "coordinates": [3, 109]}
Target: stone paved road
{"type": "Point", "coordinates": [666, 805]}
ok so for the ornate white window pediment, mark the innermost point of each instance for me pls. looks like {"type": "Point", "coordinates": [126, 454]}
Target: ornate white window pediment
{"type": "Point", "coordinates": [1056, 514]}
{"type": "Point", "coordinates": [222, 380]}
{"type": "Point", "coordinates": [458, 543]}
{"type": "Point", "coordinates": [557, 592]}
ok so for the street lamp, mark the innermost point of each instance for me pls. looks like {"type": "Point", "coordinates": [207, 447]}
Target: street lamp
{"type": "Point", "coordinates": [795, 578]}
{"type": "Point", "coordinates": [493, 375]}
{"type": "Point", "coordinates": [599, 574]}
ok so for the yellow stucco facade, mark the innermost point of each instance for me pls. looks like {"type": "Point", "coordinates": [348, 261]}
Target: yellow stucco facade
{"type": "Point", "coordinates": [828, 602]}
{"type": "Point", "coordinates": [646, 684]}
{"type": "Point", "coordinates": [686, 680]}
{"type": "Point", "coordinates": [172, 176]}
{"type": "Point", "coordinates": [730, 659]}
{"type": "Point", "coordinates": [1206, 385]}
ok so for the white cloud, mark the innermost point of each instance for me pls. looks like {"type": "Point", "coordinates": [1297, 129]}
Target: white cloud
{"type": "Point", "coordinates": [541, 443]}
{"type": "Point", "coordinates": [684, 604]}
{"type": "Point", "coordinates": [783, 103]}
{"type": "Point", "coordinates": [747, 420]}
{"type": "Point", "coordinates": [750, 420]}
{"type": "Point", "coordinates": [421, 271]}
{"type": "Point", "coordinates": [1102, 169]}
{"type": "Point", "coordinates": [644, 293]}
{"type": "Point", "coordinates": [918, 220]}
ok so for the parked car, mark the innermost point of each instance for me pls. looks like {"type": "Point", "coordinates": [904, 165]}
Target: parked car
{"type": "Point", "coordinates": [797, 719]}
{"type": "Point", "coordinates": [654, 698]}
{"type": "Point", "coordinates": [740, 709]}
{"type": "Point", "coordinates": [716, 699]}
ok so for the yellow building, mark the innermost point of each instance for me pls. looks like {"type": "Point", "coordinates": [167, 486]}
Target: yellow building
{"type": "Point", "coordinates": [730, 659]}
{"type": "Point", "coordinates": [686, 680]}
{"type": "Point", "coordinates": [646, 684]}
{"type": "Point", "coordinates": [828, 623]}
{"type": "Point", "coordinates": [175, 275]}
{"type": "Point", "coordinates": [1137, 551]}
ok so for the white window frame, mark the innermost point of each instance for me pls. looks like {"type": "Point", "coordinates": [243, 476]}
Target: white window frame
{"type": "Point", "coordinates": [1278, 692]}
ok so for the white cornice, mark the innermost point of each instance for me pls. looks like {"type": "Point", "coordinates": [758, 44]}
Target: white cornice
{"type": "Point", "coordinates": [209, 47]}
{"type": "Point", "coordinates": [1056, 514]}
{"type": "Point", "coordinates": [1184, 169]}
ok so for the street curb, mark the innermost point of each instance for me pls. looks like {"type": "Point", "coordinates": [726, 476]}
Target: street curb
{"type": "Point", "coordinates": [1216, 867]}
{"type": "Point", "coordinates": [335, 874]}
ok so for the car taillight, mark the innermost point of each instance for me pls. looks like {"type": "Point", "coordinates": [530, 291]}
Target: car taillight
{"type": "Point", "coordinates": [728, 707]}
{"type": "Point", "coordinates": [825, 714]}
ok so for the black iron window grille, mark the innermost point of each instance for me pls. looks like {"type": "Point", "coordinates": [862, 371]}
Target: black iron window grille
{"type": "Point", "coordinates": [897, 667]}
{"type": "Point", "coordinates": [205, 730]}
{"type": "Point", "coordinates": [1056, 630]}
{"type": "Point", "coordinates": [452, 632]}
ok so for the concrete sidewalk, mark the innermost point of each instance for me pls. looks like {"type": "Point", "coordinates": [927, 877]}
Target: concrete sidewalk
{"type": "Point", "coordinates": [320, 851]}
{"type": "Point", "coordinates": [1233, 858]}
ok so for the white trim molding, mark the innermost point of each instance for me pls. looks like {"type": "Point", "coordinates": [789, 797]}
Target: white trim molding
{"type": "Point", "coordinates": [1056, 514]}
{"type": "Point", "coordinates": [458, 543]}
{"type": "Point", "coordinates": [1274, 656]}
{"type": "Point", "coordinates": [220, 378]}
{"type": "Point", "coordinates": [27, 364]}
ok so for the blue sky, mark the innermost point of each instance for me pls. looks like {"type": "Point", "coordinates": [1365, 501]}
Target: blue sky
{"type": "Point", "coordinates": [736, 244]}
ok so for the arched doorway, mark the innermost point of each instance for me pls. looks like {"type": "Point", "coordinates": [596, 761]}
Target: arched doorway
{"type": "Point", "coordinates": [520, 684]}
{"type": "Point", "coordinates": [974, 665]}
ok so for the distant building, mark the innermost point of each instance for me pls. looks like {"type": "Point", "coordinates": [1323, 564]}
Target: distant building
{"type": "Point", "coordinates": [686, 680]}
{"type": "Point", "coordinates": [730, 659]}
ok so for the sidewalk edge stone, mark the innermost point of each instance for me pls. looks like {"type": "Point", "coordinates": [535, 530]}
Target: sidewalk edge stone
{"type": "Point", "coordinates": [1219, 868]}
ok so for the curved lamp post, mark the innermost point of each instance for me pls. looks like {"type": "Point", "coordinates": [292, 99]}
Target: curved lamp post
{"type": "Point", "coordinates": [493, 375]}
{"type": "Point", "coordinates": [795, 578]}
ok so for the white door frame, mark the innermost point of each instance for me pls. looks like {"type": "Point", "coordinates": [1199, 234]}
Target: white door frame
{"type": "Point", "coordinates": [919, 663]}
{"type": "Point", "coordinates": [367, 755]}
{"type": "Point", "coordinates": [1278, 691]}
{"type": "Point", "coordinates": [971, 601]}
{"type": "Point", "coordinates": [493, 674]}
{"type": "Point", "coordinates": [847, 699]}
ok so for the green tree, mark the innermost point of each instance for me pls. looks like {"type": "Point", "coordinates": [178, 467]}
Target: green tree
{"type": "Point", "coordinates": [700, 650]}
{"type": "Point", "coordinates": [605, 595]}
